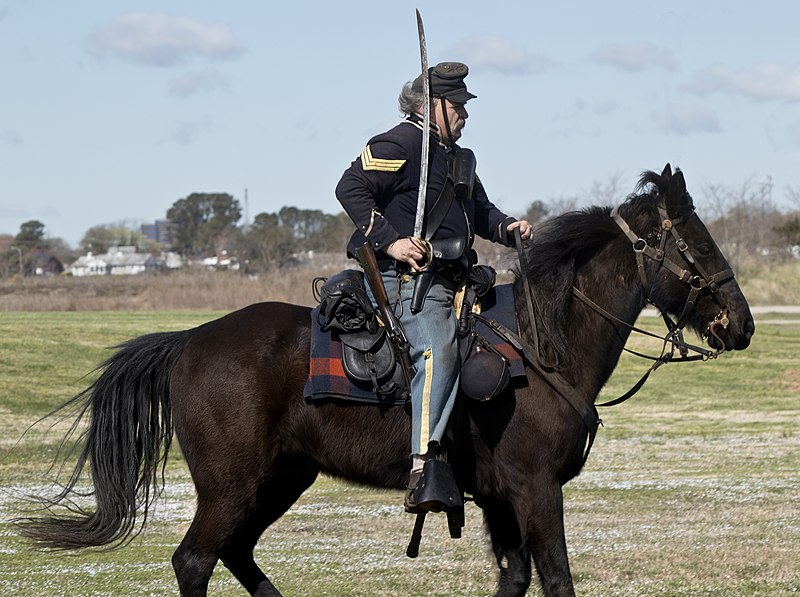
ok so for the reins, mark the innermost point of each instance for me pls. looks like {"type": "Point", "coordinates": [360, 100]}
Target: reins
{"type": "Point", "coordinates": [673, 338]}
{"type": "Point", "coordinates": [533, 355]}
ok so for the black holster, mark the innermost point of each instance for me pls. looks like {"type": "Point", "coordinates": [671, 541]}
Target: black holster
{"type": "Point", "coordinates": [453, 270]}
{"type": "Point", "coordinates": [422, 285]}
{"type": "Point", "coordinates": [480, 280]}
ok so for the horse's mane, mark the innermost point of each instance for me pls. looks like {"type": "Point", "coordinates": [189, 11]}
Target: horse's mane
{"type": "Point", "coordinates": [561, 245]}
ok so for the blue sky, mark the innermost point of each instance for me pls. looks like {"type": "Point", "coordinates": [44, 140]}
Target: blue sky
{"type": "Point", "coordinates": [112, 110]}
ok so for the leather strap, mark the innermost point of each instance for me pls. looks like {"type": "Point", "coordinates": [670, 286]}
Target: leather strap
{"type": "Point", "coordinates": [587, 412]}
{"type": "Point", "coordinates": [439, 209]}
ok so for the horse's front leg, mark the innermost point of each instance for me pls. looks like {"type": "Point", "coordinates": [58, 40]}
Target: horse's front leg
{"type": "Point", "coordinates": [510, 551]}
{"type": "Point", "coordinates": [543, 524]}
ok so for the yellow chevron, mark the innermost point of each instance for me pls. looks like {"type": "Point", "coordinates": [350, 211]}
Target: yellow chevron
{"type": "Point", "coordinates": [370, 163]}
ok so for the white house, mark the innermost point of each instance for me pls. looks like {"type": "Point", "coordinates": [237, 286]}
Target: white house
{"type": "Point", "coordinates": [122, 261]}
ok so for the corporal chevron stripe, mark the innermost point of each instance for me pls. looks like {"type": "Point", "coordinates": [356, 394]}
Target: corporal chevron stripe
{"type": "Point", "coordinates": [370, 163]}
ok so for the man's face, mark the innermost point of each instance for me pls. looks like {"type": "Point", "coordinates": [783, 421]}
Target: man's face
{"type": "Point", "coordinates": [456, 115]}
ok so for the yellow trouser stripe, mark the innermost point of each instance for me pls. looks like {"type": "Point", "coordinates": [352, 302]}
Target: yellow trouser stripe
{"type": "Point", "coordinates": [424, 432]}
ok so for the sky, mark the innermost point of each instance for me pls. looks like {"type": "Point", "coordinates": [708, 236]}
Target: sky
{"type": "Point", "coordinates": [112, 110]}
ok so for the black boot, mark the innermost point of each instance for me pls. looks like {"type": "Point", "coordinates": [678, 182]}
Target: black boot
{"type": "Point", "coordinates": [408, 502]}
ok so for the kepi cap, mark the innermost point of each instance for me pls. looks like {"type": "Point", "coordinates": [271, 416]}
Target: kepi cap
{"type": "Point", "coordinates": [447, 81]}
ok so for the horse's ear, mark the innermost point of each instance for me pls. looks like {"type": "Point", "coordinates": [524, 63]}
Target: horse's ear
{"type": "Point", "coordinates": [666, 173]}
{"type": "Point", "coordinates": [676, 193]}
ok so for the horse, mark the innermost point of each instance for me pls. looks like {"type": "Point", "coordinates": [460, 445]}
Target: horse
{"type": "Point", "coordinates": [231, 392]}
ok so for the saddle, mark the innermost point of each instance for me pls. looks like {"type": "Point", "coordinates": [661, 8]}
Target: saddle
{"type": "Point", "coordinates": [352, 358]}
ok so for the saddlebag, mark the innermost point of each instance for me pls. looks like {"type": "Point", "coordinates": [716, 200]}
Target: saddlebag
{"type": "Point", "coordinates": [368, 356]}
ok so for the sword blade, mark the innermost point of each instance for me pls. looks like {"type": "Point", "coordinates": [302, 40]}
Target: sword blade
{"type": "Point", "coordinates": [426, 128]}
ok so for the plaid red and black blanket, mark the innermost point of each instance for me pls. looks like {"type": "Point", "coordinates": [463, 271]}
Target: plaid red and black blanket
{"type": "Point", "coordinates": [326, 376]}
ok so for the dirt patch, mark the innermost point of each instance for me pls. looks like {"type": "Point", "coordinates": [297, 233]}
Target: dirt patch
{"type": "Point", "coordinates": [792, 377]}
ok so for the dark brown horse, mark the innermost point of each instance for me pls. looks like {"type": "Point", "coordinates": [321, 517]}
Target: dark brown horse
{"type": "Point", "coordinates": [231, 390]}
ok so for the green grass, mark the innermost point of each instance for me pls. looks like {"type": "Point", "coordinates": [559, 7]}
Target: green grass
{"type": "Point", "coordinates": [691, 489]}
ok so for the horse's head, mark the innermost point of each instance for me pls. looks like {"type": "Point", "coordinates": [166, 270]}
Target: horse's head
{"type": "Point", "coordinates": [682, 269]}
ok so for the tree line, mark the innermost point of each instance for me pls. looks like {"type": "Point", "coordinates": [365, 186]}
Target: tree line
{"type": "Point", "coordinates": [201, 225]}
{"type": "Point", "coordinates": [744, 220]}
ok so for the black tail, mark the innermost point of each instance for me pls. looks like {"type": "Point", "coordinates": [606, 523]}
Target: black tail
{"type": "Point", "coordinates": [126, 444]}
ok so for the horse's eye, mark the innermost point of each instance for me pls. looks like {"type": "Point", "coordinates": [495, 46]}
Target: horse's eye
{"type": "Point", "coordinates": [704, 249]}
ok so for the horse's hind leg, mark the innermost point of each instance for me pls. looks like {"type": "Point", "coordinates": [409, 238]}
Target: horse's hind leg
{"type": "Point", "coordinates": [279, 494]}
{"type": "Point", "coordinates": [195, 558]}
{"type": "Point", "coordinates": [228, 526]}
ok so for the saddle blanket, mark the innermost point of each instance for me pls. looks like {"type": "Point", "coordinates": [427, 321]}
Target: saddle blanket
{"type": "Point", "coordinates": [327, 379]}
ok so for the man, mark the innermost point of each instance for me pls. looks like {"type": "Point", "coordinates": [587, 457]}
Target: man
{"type": "Point", "coordinates": [379, 192]}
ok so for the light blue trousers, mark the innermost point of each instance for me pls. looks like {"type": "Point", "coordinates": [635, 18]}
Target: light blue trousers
{"type": "Point", "coordinates": [434, 352]}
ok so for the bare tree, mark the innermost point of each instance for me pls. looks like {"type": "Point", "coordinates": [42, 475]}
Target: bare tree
{"type": "Point", "coordinates": [605, 193]}
{"type": "Point", "coordinates": [744, 220]}
{"type": "Point", "coordinates": [793, 194]}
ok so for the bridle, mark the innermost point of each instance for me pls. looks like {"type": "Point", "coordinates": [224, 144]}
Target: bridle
{"type": "Point", "coordinates": [693, 275]}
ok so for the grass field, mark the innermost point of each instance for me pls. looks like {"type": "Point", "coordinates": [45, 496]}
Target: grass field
{"type": "Point", "coordinates": [693, 486]}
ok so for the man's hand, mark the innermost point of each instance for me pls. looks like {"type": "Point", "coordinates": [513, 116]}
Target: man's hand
{"type": "Point", "coordinates": [525, 229]}
{"type": "Point", "coordinates": [407, 250]}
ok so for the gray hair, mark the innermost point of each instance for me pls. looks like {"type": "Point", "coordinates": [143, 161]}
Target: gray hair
{"type": "Point", "coordinates": [410, 100]}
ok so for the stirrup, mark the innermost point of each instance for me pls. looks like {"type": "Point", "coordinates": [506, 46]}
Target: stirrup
{"type": "Point", "coordinates": [436, 490]}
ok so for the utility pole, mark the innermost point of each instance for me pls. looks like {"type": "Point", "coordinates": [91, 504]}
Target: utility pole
{"type": "Point", "coordinates": [246, 211]}
{"type": "Point", "coordinates": [21, 269]}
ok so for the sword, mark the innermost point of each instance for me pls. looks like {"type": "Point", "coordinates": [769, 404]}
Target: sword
{"type": "Point", "coordinates": [426, 130]}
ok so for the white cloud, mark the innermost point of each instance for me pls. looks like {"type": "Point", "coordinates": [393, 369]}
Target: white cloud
{"type": "Point", "coordinates": [794, 133]}
{"type": "Point", "coordinates": [191, 83]}
{"type": "Point", "coordinates": [185, 132]}
{"type": "Point", "coordinates": [597, 108]}
{"type": "Point", "coordinates": [782, 128]}
{"type": "Point", "coordinates": [14, 212]}
{"type": "Point", "coordinates": [158, 39]}
{"type": "Point", "coordinates": [636, 56]}
{"type": "Point", "coordinates": [686, 119]}
{"type": "Point", "coordinates": [500, 54]}
{"type": "Point", "coordinates": [605, 108]}
{"type": "Point", "coordinates": [10, 137]}
{"type": "Point", "coordinates": [761, 82]}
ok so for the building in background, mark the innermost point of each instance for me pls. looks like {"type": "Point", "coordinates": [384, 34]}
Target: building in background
{"type": "Point", "coordinates": [123, 261]}
{"type": "Point", "coordinates": [159, 231]}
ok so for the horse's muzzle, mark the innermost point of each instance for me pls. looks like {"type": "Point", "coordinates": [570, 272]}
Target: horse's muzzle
{"type": "Point", "coordinates": [731, 331]}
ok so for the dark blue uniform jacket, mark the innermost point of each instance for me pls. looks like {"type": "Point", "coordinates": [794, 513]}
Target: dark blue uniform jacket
{"type": "Point", "coordinates": [379, 192]}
